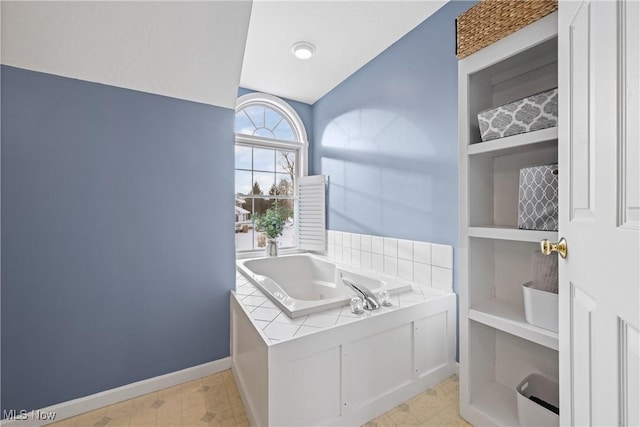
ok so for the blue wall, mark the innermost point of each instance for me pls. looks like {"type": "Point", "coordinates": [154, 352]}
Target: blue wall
{"type": "Point", "coordinates": [116, 223]}
{"type": "Point", "coordinates": [387, 137]}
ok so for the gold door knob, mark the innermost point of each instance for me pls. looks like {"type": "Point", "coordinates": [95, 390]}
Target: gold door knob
{"type": "Point", "coordinates": [546, 247]}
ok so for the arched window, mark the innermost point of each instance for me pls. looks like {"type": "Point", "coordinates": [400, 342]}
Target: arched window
{"type": "Point", "coordinates": [270, 155]}
{"type": "Point", "coordinates": [264, 122]}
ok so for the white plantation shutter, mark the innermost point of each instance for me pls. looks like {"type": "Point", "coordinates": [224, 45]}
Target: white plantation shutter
{"type": "Point", "coordinates": [311, 213]}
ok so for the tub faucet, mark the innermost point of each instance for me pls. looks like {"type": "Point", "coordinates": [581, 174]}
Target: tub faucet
{"type": "Point", "coordinates": [369, 299]}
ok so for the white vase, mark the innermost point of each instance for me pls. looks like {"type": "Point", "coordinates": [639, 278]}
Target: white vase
{"type": "Point", "coordinates": [271, 249]}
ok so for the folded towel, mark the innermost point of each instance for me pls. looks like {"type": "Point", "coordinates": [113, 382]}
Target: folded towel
{"type": "Point", "coordinates": [544, 272]}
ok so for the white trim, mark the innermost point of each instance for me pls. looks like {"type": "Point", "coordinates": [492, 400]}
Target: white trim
{"type": "Point", "coordinates": [72, 408]}
{"type": "Point", "coordinates": [253, 141]}
{"type": "Point", "coordinates": [279, 105]}
{"type": "Point", "coordinates": [302, 143]}
{"type": "Point", "coordinates": [260, 252]}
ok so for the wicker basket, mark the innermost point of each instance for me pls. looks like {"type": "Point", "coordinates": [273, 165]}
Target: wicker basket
{"type": "Point", "coordinates": [490, 20]}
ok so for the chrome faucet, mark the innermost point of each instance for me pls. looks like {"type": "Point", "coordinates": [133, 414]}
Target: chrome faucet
{"type": "Point", "coordinates": [369, 299]}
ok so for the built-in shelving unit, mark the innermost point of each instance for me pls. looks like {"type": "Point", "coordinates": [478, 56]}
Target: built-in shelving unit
{"type": "Point", "coordinates": [498, 347]}
{"type": "Point", "coordinates": [506, 233]}
{"type": "Point", "coordinates": [502, 400]}
{"type": "Point", "coordinates": [515, 144]}
{"type": "Point", "coordinates": [509, 317]}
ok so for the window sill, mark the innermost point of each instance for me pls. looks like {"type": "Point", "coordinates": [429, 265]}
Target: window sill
{"type": "Point", "coordinates": [260, 253]}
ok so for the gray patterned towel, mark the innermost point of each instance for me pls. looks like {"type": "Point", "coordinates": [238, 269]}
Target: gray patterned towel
{"type": "Point", "coordinates": [544, 271]}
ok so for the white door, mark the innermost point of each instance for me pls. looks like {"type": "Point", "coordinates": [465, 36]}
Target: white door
{"type": "Point", "coordinates": [599, 155]}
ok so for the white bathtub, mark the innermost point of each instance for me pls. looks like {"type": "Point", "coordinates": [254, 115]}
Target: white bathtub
{"type": "Point", "coordinates": [303, 284]}
{"type": "Point", "coordinates": [334, 368]}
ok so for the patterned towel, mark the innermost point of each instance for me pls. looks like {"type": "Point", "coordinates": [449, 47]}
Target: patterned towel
{"type": "Point", "coordinates": [544, 271]}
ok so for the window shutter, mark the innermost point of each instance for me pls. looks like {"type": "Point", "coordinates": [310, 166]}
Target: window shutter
{"type": "Point", "coordinates": [311, 213]}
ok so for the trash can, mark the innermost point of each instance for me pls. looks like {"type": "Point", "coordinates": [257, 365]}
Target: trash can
{"type": "Point", "coordinates": [538, 401]}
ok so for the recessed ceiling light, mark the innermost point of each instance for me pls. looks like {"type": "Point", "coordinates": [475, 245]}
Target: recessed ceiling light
{"type": "Point", "coordinates": [303, 50]}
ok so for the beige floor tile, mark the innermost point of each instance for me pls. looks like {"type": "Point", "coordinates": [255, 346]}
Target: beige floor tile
{"type": "Point", "coordinates": [219, 389]}
{"type": "Point", "coordinates": [170, 406]}
{"type": "Point", "coordinates": [193, 414]}
{"type": "Point", "coordinates": [143, 417]}
{"type": "Point", "coordinates": [218, 406]}
{"type": "Point", "coordinates": [236, 405]}
{"type": "Point", "coordinates": [234, 397]}
{"type": "Point", "coordinates": [142, 423]}
{"type": "Point", "coordinates": [213, 380]}
{"type": "Point", "coordinates": [169, 418]}
{"type": "Point", "coordinates": [216, 393]}
{"type": "Point", "coordinates": [223, 419]}
{"type": "Point", "coordinates": [427, 408]}
{"type": "Point", "coordinates": [193, 399]}
{"type": "Point", "coordinates": [214, 401]}
{"type": "Point", "coordinates": [241, 418]}
{"type": "Point", "coordinates": [230, 385]}
{"type": "Point", "coordinates": [239, 414]}
{"type": "Point", "coordinates": [379, 421]}
{"type": "Point", "coordinates": [145, 401]}
{"type": "Point", "coordinates": [386, 421]}
{"type": "Point", "coordinates": [191, 386]}
{"type": "Point", "coordinates": [402, 417]}
{"type": "Point", "coordinates": [123, 421]}
{"type": "Point", "coordinates": [119, 410]}
{"type": "Point", "coordinates": [233, 392]}
{"type": "Point", "coordinates": [426, 405]}
{"type": "Point", "coordinates": [437, 421]}
{"type": "Point", "coordinates": [90, 418]}
{"type": "Point", "coordinates": [452, 415]}
{"type": "Point", "coordinates": [170, 393]}
{"type": "Point", "coordinates": [69, 422]}
{"type": "Point", "coordinates": [448, 390]}
{"type": "Point", "coordinates": [212, 398]}
{"type": "Point", "coordinates": [198, 423]}
{"type": "Point", "coordinates": [229, 381]}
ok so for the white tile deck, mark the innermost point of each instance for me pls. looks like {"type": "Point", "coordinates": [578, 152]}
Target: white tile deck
{"type": "Point", "coordinates": [278, 327]}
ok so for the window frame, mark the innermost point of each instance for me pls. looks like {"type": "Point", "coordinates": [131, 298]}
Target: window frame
{"type": "Point", "coordinates": [300, 146]}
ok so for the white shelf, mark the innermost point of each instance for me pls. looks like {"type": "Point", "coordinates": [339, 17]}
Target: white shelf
{"type": "Point", "coordinates": [504, 233]}
{"type": "Point", "coordinates": [497, 345]}
{"type": "Point", "coordinates": [516, 143]}
{"type": "Point", "coordinates": [497, 403]}
{"type": "Point", "coordinates": [509, 317]}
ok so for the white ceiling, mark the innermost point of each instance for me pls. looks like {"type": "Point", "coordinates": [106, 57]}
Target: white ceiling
{"type": "Point", "coordinates": [346, 34]}
{"type": "Point", "coordinates": [174, 48]}
{"type": "Point", "coordinates": [186, 50]}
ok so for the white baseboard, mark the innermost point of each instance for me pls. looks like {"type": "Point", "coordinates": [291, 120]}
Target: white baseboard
{"type": "Point", "coordinates": [89, 403]}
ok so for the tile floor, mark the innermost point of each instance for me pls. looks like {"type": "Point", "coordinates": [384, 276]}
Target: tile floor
{"type": "Point", "coordinates": [208, 401]}
{"type": "Point", "coordinates": [215, 401]}
{"type": "Point", "coordinates": [437, 406]}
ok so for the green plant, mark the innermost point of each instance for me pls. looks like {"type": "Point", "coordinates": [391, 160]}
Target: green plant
{"type": "Point", "coordinates": [271, 223]}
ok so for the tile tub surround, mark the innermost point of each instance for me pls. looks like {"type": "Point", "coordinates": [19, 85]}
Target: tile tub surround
{"type": "Point", "coordinates": [427, 264]}
{"type": "Point", "coordinates": [276, 326]}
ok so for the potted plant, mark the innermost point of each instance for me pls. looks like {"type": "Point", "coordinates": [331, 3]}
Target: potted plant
{"type": "Point", "coordinates": [271, 224]}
